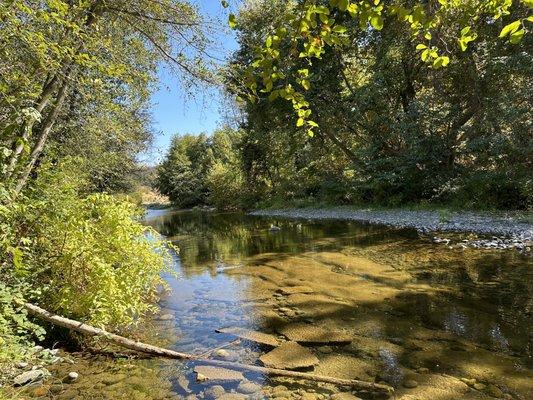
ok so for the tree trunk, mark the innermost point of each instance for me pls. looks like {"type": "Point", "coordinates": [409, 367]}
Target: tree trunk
{"type": "Point", "coordinates": [161, 352]}
{"type": "Point", "coordinates": [45, 129]}
{"type": "Point", "coordinates": [27, 127]}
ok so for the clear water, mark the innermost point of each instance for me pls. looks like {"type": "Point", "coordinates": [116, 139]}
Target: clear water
{"type": "Point", "coordinates": [458, 322]}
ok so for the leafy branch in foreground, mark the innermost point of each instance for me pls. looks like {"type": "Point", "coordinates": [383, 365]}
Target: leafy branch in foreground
{"type": "Point", "coordinates": [311, 27]}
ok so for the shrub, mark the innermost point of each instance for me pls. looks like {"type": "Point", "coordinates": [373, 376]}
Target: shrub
{"type": "Point", "coordinates": [226, 186]}
{"type": "Point", "coordinates": [88, 255]}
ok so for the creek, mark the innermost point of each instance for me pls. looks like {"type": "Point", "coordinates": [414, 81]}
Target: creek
{"type": "Point", "coordinates": [436, 323]}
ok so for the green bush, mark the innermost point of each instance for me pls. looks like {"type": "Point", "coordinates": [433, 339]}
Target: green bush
{"type": "Point", "coordinates": [88, 255]}
{"type": "Point", "coordinates": [226, 186]}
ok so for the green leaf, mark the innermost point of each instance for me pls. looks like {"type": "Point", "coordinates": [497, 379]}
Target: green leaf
{"type": "Point", "coordinates": [232, 21]}
{"type": "Point", "coordinates": [300, 122]}
{"type": "Point", "coordinates": [273, 95]}
{"type": "Point", "coordinates": [376, 21]}
{"type": "Point", "coordinates": [421, 46]}
{"type": "Point", "coordinates": [305, 84]}
{"type": "Point", "coordinates": [441, 62]}
{"type": "Point", "coordinates": [339, 29]}
{"type": "Point", "coordinates": [511, 28]}
{"type": "Point", "coordinates": [517, 36]}
{"type": "Point", "coordinates": [343, 5]}
{"type": "Point", "coordinates": [465, 30]}
{"type": "Point", "coordinates": [268, 42]}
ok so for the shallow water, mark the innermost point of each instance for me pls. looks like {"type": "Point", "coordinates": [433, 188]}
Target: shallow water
{"type": "Point", "coordinates": [458, 322]}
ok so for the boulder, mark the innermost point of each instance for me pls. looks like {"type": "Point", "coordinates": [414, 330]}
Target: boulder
{"type": "Point", "coordinates": [289, 355]}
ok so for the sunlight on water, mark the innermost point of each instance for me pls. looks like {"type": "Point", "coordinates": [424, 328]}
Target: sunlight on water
{"type": "Point", "coordinates": [432, 322]}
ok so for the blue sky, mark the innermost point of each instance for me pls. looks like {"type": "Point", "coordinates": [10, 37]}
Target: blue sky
{"type": "Point", "coordinates": [172, 109]}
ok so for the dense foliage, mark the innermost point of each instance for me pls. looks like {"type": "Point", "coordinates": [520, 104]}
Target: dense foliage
{"type": "Point", "coordinates": [75, 85]}
{"type": "Point", "coordinates": [390, 128]}
{"type": "Point", "coordinates": [201, 170]}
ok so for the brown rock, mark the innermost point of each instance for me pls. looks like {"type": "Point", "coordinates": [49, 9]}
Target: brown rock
{"type": "Point", "coordinates": [253, 336]}
{"type": "Point", "coordinates": [218, 374]}
{"type": "Point", "coordinates": [296, 289]}
{"type": "Point", "coordinates": [289, 355]}
{"type": "Point", "coordinates": [344, 396]}
{"type": "Point", "coordinates": [306, 333]}
{"type": "Point", "coordinates": [232, 396]}
{"type": "Point", "coordinates": [410, 384]}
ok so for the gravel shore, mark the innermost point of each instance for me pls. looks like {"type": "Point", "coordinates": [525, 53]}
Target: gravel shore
{"type": "Point", "coordinates": [507, 229]}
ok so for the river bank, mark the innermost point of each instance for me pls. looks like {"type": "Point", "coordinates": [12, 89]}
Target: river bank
{"type": "Point", "coordinates": [495, 230]}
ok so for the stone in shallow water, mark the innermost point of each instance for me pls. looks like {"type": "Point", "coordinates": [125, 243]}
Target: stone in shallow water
{"type": "Point", "coordinates": [214, 392]}
{"type": "Point", "coordinates": [289, 355]}
{"type": "Point", "coordinates": [296, 289]}
{"type": "Point", "coordinates": [307, 333]}
{"type": "Point", "coordinates": [344, 396]}
{"type": "Point", "coordinates": [248, 387]}
{"type": "Point", "coordinates": [232, 396]}
{"type": "Point", "coordinates": [218, 374]}
{"type": "Point", "coordinates": [28, 377]}
{"type": "Point", "coordinates": [253, 336]}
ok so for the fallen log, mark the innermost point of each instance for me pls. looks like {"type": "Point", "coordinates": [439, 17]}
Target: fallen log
{"type": "Point", "coordinates": [167, 353]}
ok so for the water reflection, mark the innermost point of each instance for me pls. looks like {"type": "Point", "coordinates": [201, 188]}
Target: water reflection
{"type": "Point", "coordinates": [435, 323]}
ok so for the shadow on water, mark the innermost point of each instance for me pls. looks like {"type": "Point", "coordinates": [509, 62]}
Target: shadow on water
{"type": "Point", "coordinates": [455, 322]}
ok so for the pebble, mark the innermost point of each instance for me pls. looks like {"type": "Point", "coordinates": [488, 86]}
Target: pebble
{"type": "Point", "coordinates": [166, 317]}
{"type": "Point", "coordinates": [214, 392]}
{"type": "Point", "coordinates": [479, 386]}
{"type": "Point", "coordinates": [309, 396]}
{"type": "Point", "coordinates": [344, 396]}
{"type": "Point", "coordinates": [71, 377]}
{"type": "Point", "coordinates": [410, 384]}
{"type": "Point", "coordinates": [494, 391]}
{"type": "Point", "coordinates": [40, 391]}
{"type": "Point", "coordinates": [248, 387]}
{"type": "Point", "coordinates": [510, 232]}
{"type": "Point", "coordinates": [22, 365]}
{"type": "Point", "coordinates": [222, 353]}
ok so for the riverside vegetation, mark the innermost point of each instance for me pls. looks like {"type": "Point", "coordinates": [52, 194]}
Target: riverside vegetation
{"type": "Point", "coordinates": [337, 102]}
{"type": "Point", "coordinates": [391, 130]}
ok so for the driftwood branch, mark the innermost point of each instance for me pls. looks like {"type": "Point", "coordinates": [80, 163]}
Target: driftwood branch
{"type": "Point", "coordinates": [161, 352]}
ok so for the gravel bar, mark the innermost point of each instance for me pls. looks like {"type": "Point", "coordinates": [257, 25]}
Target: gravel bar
{"type": "Point", "coordinates": [501, 225]}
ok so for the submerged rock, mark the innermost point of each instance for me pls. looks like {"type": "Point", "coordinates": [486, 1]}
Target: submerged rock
{"type": "Point", "coordinates": [253, 336]}
{"type": "Point", "coordinates": [248, 387]}
{"type": "Point", "coordinates": [296, 289]}
{"type": "Point", "coordinates": [71, 377]}
{"type": "Point", "coordinates": [232, 396]}
{"type": "Point", "coordinates": [218, 374]}
{"type": "Point", "coordinates": [410, 384]}
{"type": "Point", "coordinates": [289, 355]}
{"type": "Point", "coordinates": [344, 396]}
{"type": "Point", "coordinates": [494, 391]}
{"type": "Point", "coordinates": [28, 377]}
{"type": "Point", "coordinates": [214, 392]}
{"type": "Point", "coordinates": [307, 333]}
